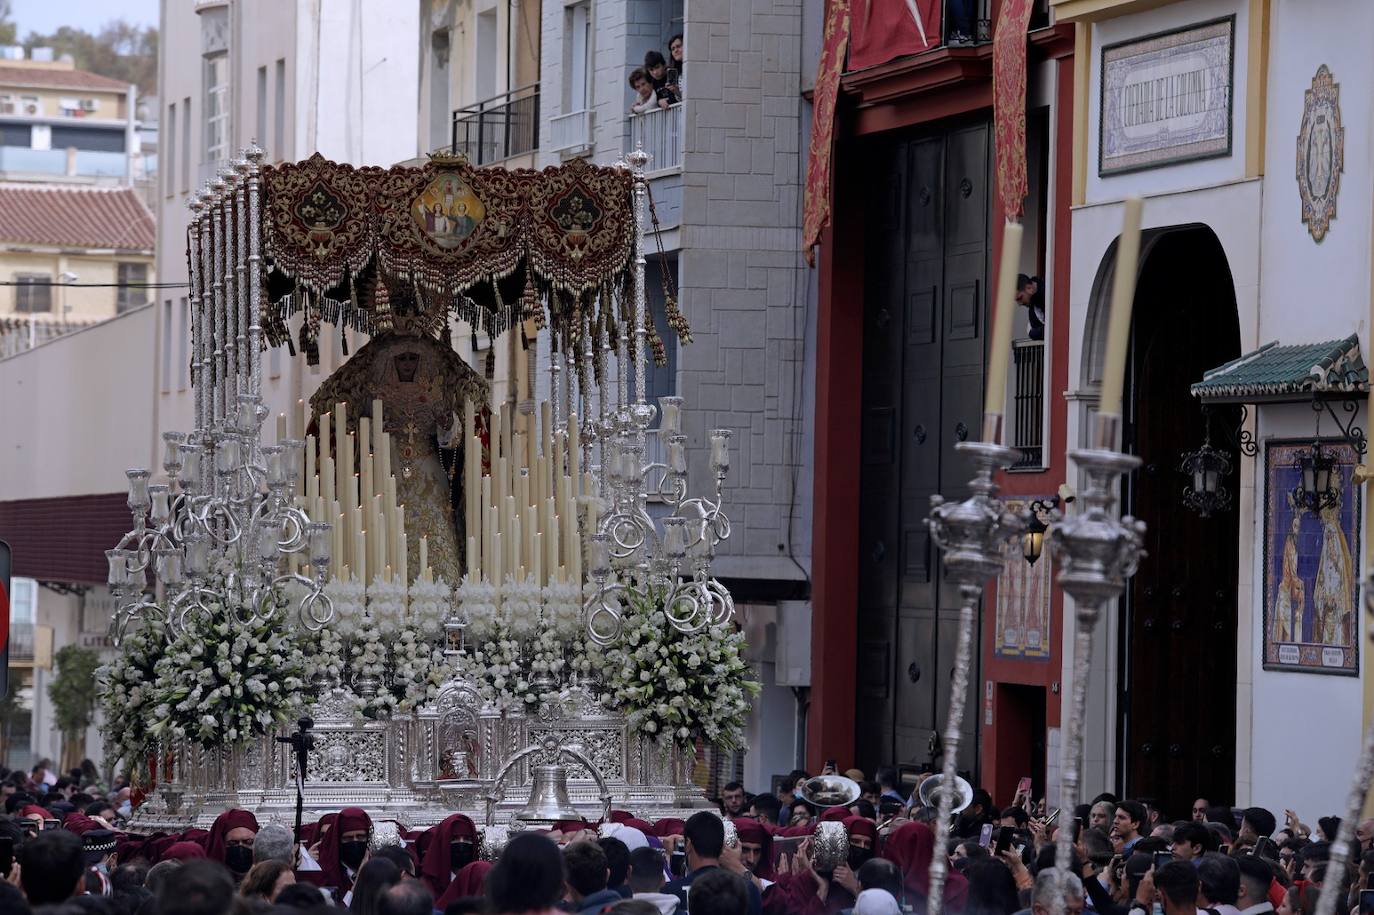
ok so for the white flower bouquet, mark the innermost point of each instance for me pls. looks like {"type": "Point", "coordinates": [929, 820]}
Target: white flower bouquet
{"type": "Point", "coordinates": [127, 687]}
{"type": "Point", "coordinates": [676, 686]}
{"type": "Point", "coordinates": [523, 643]}
{"type": "Point", "coordinates": [222, 681]}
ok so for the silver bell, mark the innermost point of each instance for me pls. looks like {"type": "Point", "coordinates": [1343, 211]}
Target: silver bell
{"type": "Point", "coordinates": [549, 801]}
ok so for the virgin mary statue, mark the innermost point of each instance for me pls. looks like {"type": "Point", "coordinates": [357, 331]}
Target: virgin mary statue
{"type": "Point", "coordinates": [423, 386]}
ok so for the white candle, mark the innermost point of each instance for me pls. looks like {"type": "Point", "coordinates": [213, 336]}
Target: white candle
{"type": "Point", "coordinates": [366, 475]}
{"type": "Point", "coordinates": [327, 478]}
{"type": "Point", "coordinates": [1123, 298]}
{"type": "Point", "coordinates": [281, 428]}
{"type": "Point", "coordinates": [999, 352]}
{"type": "Point", "coordinates": [360, 559]}
{"type": "Point", "coordinates": [474, 559]}
{"type": "Point", "coordinates": [549, 530]}
{"type": "Point", "coordinates": [312, 479]}
{"type": "Point", "coordinates": [537, 560]}
{"type": "Point", "coordinates": [517, 552]}
{"type": "Point", "coordinates": [403, 559]}
{"type": "Point", "coordinates": [364, 443]}
{"type": "Point", "coordinates": [301, 421]}
{"type": "Point", "coordinates": [424, 554]}
{"type": "Point", "coordinates": [497, 559]}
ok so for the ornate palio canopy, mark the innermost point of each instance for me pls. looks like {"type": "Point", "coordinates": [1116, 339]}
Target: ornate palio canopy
{"type": "Point", "coordinates": [356, 246]}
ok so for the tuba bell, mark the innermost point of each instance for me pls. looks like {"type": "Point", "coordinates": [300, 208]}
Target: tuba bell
{"type": "Point", "coordinates": [830, 791]}
{"type": "Point", "coordinates": [931, 788]}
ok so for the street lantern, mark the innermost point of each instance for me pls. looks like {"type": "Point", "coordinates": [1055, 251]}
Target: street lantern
{"type": "Point", "coordinates": [1033, 539]}
{"type": "Point", "coordinates": [1317, 489]}
{"type": "Point", "coordinates": [1205, 493]}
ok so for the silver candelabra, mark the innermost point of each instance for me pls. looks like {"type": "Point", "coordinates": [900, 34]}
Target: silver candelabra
{"type": "Point", "coordinates": [222, 527]}
{"type": "Point", "coordinates": [1098, 550]}
{"type": "Point", "coordinates": [971, 533]}
{"type": "Point", "coordinates": [634, 555]}
{"type": "Point", "coordinates": [1354, 806]}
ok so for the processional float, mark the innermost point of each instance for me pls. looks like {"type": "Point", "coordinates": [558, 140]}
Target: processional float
{"type": "Point", "coordinates": [1098, 548]}
{"type": "Point", "coordinates": [509, 541]}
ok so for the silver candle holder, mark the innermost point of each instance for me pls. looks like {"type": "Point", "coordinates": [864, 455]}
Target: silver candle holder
{"type": "Point", "coordinates": [1354, 805]}
{"type": "Point", "coordinates": [971, 533]}
{"type": "Point", "coordinates": [1097, 551]}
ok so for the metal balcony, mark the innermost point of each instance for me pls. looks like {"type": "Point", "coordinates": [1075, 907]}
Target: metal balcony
{"type": "Point", "coordinates": [498, 128]}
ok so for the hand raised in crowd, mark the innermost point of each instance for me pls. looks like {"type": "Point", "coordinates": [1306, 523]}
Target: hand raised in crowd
{"type": "Point", "coordinates": [846, 878]}
{"type": "Point", "coordinates": [730, 860]}
{"type": "Point", "coordinates": [1145, 892]}
{"type": "Point", "coordinates": [12, 878]}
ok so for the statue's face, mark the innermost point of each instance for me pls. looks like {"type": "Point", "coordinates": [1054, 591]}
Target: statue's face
{"type": "Point", "coordinates": [407, 364]}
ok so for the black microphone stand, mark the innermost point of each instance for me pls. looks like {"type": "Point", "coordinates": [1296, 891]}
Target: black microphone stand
{"type": "Point", "coordinates": [301, 743]}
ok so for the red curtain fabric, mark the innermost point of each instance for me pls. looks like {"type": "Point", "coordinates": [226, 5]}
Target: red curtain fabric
{"type": "Point", "coordinates": [819, 164]}
{"type": "Point", "coordinates": [887, 29]}
{"type": "Point", "coordinates": [1009, 104]}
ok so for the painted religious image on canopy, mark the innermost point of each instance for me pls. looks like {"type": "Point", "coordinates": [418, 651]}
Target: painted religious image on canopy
{"type": "Point", "coordinates": [1311, 578]}
{"type": "Point", "coordinates": [447, 211]}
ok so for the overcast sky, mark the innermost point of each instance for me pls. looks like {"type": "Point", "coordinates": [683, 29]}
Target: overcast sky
{"type": "Point", "coordinates": [47, 16]}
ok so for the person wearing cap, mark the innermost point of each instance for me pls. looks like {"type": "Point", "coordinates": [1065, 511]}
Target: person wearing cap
{"type": "Point", "coordinates": [450, 847]}
{"type": "Point", "coordinates": [230, 841]}
{"type": "Point", "coordinates": [343, 850]}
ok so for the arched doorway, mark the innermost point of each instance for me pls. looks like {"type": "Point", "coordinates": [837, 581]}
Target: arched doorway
{"type": "Point", "coordinates": [1176, 704]}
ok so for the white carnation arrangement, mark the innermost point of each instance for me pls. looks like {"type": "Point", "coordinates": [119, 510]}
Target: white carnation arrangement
{"type": "Point", "coordinates": [385, 644]}
{"type": "Point", "coordinates": [127, 687]}
{"type": "Point", "coordinates": [222, 681]}
{"type": "Point", "coordinates": [523, 644]}
{"type": "Point", "coordinates": [676, 686]}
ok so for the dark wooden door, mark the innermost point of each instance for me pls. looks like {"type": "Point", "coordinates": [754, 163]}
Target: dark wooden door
{"type": "Point", "coordinates": [1179, 689]}
{"type": "Point", "coordinates": [924, 314]}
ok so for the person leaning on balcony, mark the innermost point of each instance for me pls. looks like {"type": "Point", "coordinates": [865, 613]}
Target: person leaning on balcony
{"type": "Point", "coordinates": [648, 99]}
{"type": "Point", "coordinates": [1029, 296]}
{"type": "Point", "coordinates": [657, 67]}
{"type": "Point", "coordinates": [677, 63]}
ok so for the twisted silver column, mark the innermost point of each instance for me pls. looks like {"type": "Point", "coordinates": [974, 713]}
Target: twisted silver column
{"type": "Point", "coordinates": [1097, 551]}
{"type": "Point", "coordinates": [971, 534]}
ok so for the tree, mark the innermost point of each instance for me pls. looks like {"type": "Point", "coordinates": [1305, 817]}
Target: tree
{"type": "Point", "coordinates": [120, 50]}
{"type": "Point", "coordinates": [8, 33]}
{"type": "Point", "coordinates": [73, 694]}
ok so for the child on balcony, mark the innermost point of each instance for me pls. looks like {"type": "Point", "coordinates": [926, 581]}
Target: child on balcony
{"type": "Point", "coordinates": [648, 99]}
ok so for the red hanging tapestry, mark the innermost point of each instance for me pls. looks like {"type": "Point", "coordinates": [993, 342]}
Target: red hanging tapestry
{"type": "Point", "coordinates": [819, 162]}
{"type": "Point", "coordinates": [888, 29]}
{"type": "Point", "coordinates": [1009, 104]}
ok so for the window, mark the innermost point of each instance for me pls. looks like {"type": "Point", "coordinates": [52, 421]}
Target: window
{"type": "Point", "coordinates": [170, 172]}
{"type": "Point", "coordinates": [133, 292]}
{"type": "Point", "coordinates": [279, 113]}
{"type": "Point", "coordinates": [8, 105]}
{"type": "Point", "coordinates": [216, 107]}
{"type": "Point", "coordinates": [184, 347]}
{"type": "Point", "coordinates": [185, 145]}
{"type": "Point", "coordinates": [261, 136]}
{"type": "Point", "coordinates": [33, 293]}
{"type": "Point", "coordinates": [578, 49]}
{"type": "Point", "coordinates": [97, 139]}
{"type": "Point", "coordinates": [167, 346]}
{"type": "Point", "coordinates": [30, 105]}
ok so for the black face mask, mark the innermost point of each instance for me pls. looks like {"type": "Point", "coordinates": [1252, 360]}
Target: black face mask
{"type": "Point", "coordinates": [238, 858]}
{"type": "Point", "coordinates": [352, 854]}
{"type": "Point", "coordinates": [858, 857]}
{"type": "Point", "coordinates": [460, 855]}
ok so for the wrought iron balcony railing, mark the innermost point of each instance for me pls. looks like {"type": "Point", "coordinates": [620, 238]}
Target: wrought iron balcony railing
{"type": "Point", "coordinates": [498, 128]}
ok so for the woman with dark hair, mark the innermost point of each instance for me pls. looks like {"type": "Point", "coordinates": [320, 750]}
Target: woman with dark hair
{"type": "Point", "coordinates": [677, 63]}
{"type": "Point", "coordinates": [374, 878]}
{"type": "Point", "coordinates": [528, 878]}
{"type": "Point", "coordinates": [991, 889]}
{"type": "Point", "coordinates": [265, 880]}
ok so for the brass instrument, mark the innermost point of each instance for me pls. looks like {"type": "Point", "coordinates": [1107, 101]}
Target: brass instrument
{"type": "Point", "coordinates": [830, 791]}
{"type": "Point", "coordinates": [931, 789]}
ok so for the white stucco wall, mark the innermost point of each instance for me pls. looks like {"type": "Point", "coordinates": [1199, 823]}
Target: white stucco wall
{"type": "Point", "coordinates": [1311, 291]}
{"type": "Point", "coordinates": [1184, 175]}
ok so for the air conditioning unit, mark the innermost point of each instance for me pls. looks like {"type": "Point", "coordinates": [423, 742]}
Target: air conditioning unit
{"type": "Point", "coordinates": [31, 108]}
{"type": "Point", "coordinates": [88, 104]}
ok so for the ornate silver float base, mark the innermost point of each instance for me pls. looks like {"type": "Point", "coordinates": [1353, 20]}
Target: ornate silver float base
{"type": "Point", "coordinates": [420, 768]}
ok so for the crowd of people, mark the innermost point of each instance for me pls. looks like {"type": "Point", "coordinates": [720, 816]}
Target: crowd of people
{"type": "Point", "coordinates": [658, 84]}
{"type": "Point", "coordinates": [64, 851]}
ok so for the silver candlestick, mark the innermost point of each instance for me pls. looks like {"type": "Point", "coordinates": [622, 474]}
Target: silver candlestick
{"type": "Point", "coordinates": [1359, 791]}
{"type": "Point", "coordinates": [971, 533]}
{"type": "Point", "coordinates": [1098, 550]}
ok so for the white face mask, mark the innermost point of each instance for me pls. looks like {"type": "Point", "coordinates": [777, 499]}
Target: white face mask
{"type": "Point", "coordinates": [126, 809]}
